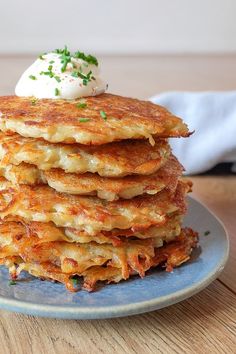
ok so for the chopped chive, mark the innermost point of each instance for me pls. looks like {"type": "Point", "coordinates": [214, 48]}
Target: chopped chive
{"type": "Point", "coordinates": [86, 78]}
{"type": "Point", "coordinates": [74, 74]}
{"type": "Point", "coordinates": [57, 92]}
{"type": "Point", "coordinates": [34, 101]}
{"type": "Point", "coordinates": [48, 73]}
{"type": "Point", "coordinates": [84, 120]}
{"type": "Point", "coordinates": [32, 77]}
{"type": "Point", "coordinates": [207, 233]}
{"type": "Point", "coordinates": [66, 56]}
{"type": "Point", "coordinates": [12, 282]}
{"type": "Point", "coordinates": [57, 78]}
{"type": "Point", "coordinates": [74, 281]}
{"type": "Point", "coordinates": [51, 62]}
{"type": "Point", "coordinates": [62, 51]}
{"type": "Point", "coordinates": [81, 105]}
{"type": "Point", "coordinates": [64, 66]}
{"type": "Point", "coordinates": [88, 58]}
{"type": "Point", "coordinates": [41, 57]}
{"type": "Point", "coordinates": [103, 115]}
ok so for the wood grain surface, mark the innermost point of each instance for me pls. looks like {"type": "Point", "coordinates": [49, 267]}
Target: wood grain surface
{"type": "Point", "coordinates": [205, 323]}
{"type": "Point", "coordinates": [219, 194]}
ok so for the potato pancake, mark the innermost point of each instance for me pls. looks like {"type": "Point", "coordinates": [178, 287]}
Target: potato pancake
{"type": "Point", "coordinates": [61, 261]}
{"type": "Point", "coordinates": [92, 184]}
{"type": "Point", "coordinates": [104, 118]}
{"type": "Point", "coordinates": [48, 232]}
{"type": "Point", "coordinates": [90, 214]}
{"type": "Point", "coordinates": [109, 160]}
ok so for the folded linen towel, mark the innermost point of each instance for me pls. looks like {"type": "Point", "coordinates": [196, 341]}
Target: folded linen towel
{"type": "Point", "coordinates": [212, 115]}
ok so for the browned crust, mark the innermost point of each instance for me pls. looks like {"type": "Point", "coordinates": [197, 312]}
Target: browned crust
{"type": "Point", "coordinates": [144, 211]}
{"type": "Point", "coordinates": [114, 264]}
{"type": "Point", "coordinates": [167, 176]}
{"type": "Point", "coordinates": [93, 184]}
{"type": "Point", "coordinates": [121, 112]}
{"type": "Point", "coordinates": [125, 157]}
{"type": "Point", "coordinates": [47, 232]}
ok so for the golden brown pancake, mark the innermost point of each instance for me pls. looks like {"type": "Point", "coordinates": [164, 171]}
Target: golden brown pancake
{"type": "Point", "coordinates": [90, 214]}
{"type": "Point", "coordinates": [92, 184]}
{"type": "Point", "coordinates": [109, 160]}
{"type": "Point", "coordinates": [48, 232]}
{"type": "Point", "coordinates": [62, 120]}
{"type": "Point", "coordinates": [165, 232]}
{"type": "Point", "coordinates": [62, 260]}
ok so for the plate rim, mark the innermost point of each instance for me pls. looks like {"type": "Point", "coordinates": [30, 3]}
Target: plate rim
{"type": "Point", "coordinates": [103, 312]}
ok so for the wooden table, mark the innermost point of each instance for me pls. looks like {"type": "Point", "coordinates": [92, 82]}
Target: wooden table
{"type": "Point", "coordinates": [206, 323]}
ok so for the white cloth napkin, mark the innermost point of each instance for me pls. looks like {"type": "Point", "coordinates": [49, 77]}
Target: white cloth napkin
{"type": "Point", "coordinates": [212, 115]}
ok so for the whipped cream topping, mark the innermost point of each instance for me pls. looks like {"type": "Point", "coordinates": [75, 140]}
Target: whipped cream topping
{"type": "Point", "coordinates": [62, 75]}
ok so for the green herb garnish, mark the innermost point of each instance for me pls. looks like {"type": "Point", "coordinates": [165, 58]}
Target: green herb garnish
{"type": "Point", "coordinates": [41, 57]}
{"type": "Point", "coordinates": [34, 101]}
{"type": "Point", "coordinates": [65, 57]}
{"type": "Point", "coordinates": [74, 74]}
{"type": "Point", "coordinates": [57, 92]}
{"type": "Point", "coordinates": [12, 282]}
{"type": "Point", "coordinates": [81, 105]}
{"type": "Point", "coordinates": [86, 78]}
{"type": "Point", "coordinates": [84, 120]}
{"type": "Point", "coordinates": [47, 73]}
{"type": "Point", "coordinates": [32, 77]}
{"type": "Point", "coordinates": [88, 58]}
{"type": "Point", "coordinates": [75, 282]}
{"type": "Point", "coordinates": [103, 115]}
{"type": "Point", "coordinates": [207, 233]}
{"type": "Point", "coordinates": [51, 74]}
{"type": "Point", "coordinates": [57, 78]}
{"type": "Point", "coordinates": [62, 51]}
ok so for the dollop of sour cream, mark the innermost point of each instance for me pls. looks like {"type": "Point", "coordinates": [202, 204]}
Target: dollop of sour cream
{"type": "Point", "coordinates": [61, 75]}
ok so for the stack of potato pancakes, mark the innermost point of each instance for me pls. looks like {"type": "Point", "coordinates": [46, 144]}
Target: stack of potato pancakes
{"type": "Point", "coordinates": [89, 188]}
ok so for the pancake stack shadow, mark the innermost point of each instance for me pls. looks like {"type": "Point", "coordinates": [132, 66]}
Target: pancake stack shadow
{"type": "Point", "coordinates": [90, 190]}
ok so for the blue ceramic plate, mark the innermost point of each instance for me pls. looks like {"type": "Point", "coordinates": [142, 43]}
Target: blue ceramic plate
{"type": "Point", "coordinates": [157, 290]}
